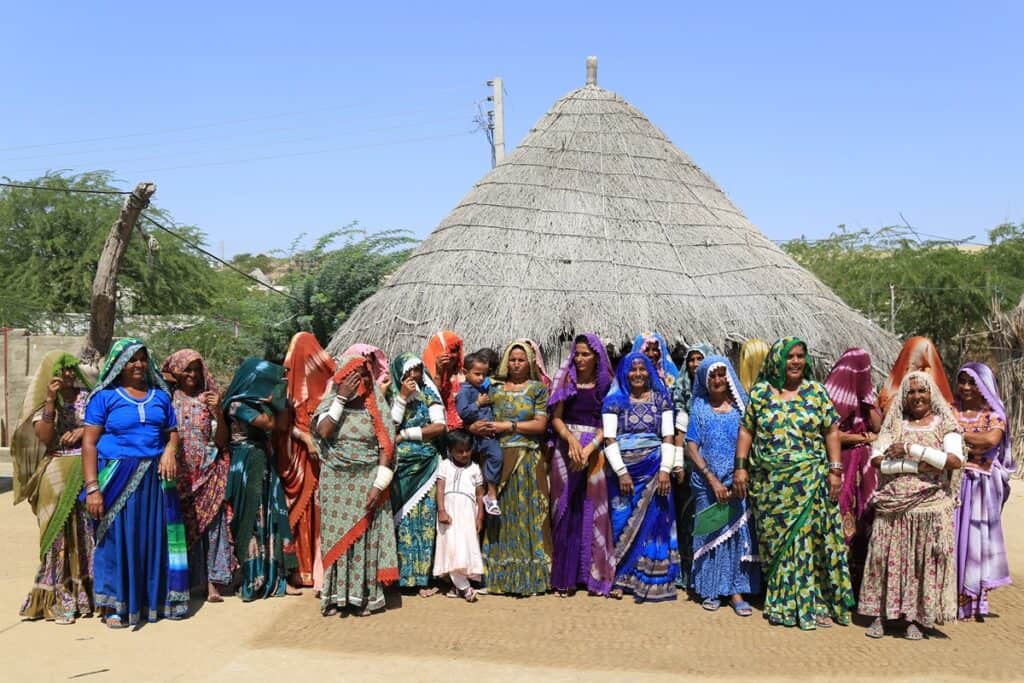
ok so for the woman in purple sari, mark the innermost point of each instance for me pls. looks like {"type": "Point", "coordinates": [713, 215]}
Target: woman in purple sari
{"type": "Point", "coordinates": [580, 524]}
{"type": "Point", "coordinates": [980, 549]}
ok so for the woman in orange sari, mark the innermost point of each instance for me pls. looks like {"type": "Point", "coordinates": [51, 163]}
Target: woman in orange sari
{"type": "Point", "coordinates": [308, 371]}
{"type": "Point", "coordinates": [443, 361]}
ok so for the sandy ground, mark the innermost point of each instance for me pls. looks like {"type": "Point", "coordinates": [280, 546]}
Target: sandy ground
{"type": "Point", "coordinates": [538, 638]}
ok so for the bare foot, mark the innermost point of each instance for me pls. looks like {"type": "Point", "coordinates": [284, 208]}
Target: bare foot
{"type": "Point", "coordinates": [212, 593]}
{"type": "Point", "coordinates": [291, 590]}
{"type": "Point", "coordinates": [428, 592]}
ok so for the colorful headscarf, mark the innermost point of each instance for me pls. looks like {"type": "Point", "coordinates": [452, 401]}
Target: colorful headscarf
{"type": "Point", "coordinates": [372, 397]}
{"type": "Point", "coordinates": [438, 345]}
{"type": "Point", "coordinates": [27, 451]}
{"type": "Point", "coordinates": [378, 359]}
{"type": "Point", "coordinates": [985, 380]}
{"type": "Point", "coordinates": [531, 358]}
{"type": "Point", "coordinates": [179, 360]}
{"type": "Point", "coordinates": [682, 392]}
{"type": "Point", "coordinates": [538, 358]}
{"type": "Point", "coordinates": [752, 355]}
{"type": "Point", "coordinates": [254, 381]}
{"type": "Point", "coordinates": [666, 369]}
{"type": "Point", "coordinates": [918, 353]}
{"type": "Point", "coordinates": [701, 394]}
{"type": "Point", "coordinates": [892, 425]}
{"type": "Point", "coordinates": [564, 384]}
{"type": "Point", "coordinates": [774, 369]}
{"type": "Point", "coordinates": [849, 386]}
{"type": "Point", "coordinates": [120, 353]}
{"type": "Point", "coordinates": [309, 369]}
{"type": "Point", "coordinates": [618, 398]}
{"type": "Point", "coordinates": [400, 365]}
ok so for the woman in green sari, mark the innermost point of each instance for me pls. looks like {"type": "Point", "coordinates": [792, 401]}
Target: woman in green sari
{"type": "Point", "coordinates": [259, 523]}
{"type": "Point", "coordinates": [795, 475]}
{"type": "Point", "coordinates": [47, 454]}
{"type": "Point", "coordinates": [419, 416]}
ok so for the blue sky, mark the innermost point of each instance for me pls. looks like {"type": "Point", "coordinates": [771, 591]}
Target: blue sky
{"type": "Point", "coordinates": [261, 121]}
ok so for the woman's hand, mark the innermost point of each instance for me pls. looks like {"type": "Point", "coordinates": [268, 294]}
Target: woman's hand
{"type": "Point", "coordinates": [443, 517]}
{"type": "Point", "coordinates": [483, 399]}
{"type": "Point", "coordinates": [925, 468]}
{"type": "Point", "coordinates": [869, 437]}
{"type": "Point", "coordinates": [408, 388]}
{"type": "Point", "coordinates": [835, 484]}
{"type": "Point", "coordinates": [348, 386]}
{"type": "Point", "coordinates": [94, 504]}
{"type": "Point", "coordinates": [722, 494]}
{"type": "Point", "coordinates": [482, 429]}
{"type": "Point", "coordinates": [896, 450]}
{"type": "Point", "coordinates": [442, 363]}
{"type": "Point", "coordinates": [373, 499]}
{"type": "Point", "coordinates": [53, 388]}
{"type": "Point", "coordinates": [168, 466]}
{"type": "Point", "coordinates": [212, 401]}
{"type": "Point", "coordinates": [71, 437]}
{"type": "Point", "coordinates": [740, 482]}
{"type": "Point", "coordinates": [626, 484]}
{"type": "Point", "coordinates": [664, 483]}
{"type": "Point", "coordinates": [384, 383]}
{"type": "Point", "coordinates": [575, 452]}
{"type": "Point", "coordinates": [312, 447]}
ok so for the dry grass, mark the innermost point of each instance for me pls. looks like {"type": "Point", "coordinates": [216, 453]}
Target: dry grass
{"type": "Point", "coordinates": [598, 222]}
{"type": "Point", "coordinates": [1006, 339]}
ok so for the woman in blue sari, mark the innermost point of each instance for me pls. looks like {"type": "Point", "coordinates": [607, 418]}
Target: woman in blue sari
{"type": "Point", "coordinates": [129, 459]}
{"type": "Point", "coordinates": [654, 346]}
{"type": "Point", "coordinates": [724, 554]}
{"type": "Point", "coordinates": [638, 427]}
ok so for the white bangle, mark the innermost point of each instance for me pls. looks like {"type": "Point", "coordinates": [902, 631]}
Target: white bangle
{"type": "Point", "coordinates": [898, 467]}
{"type": "Point", "coordinates": [412, 434]}
{"type": "Point", "coordinates": [934, 457]}
{"type": "Point", "coordinates": [680, 461]}
{"type": "Point", "coordinates": [337, 408]}
{"type": "Point", "coordinates": [383, 478]}
{"type": "Point", "coordinates": [668, 457]}
{"type": "Point", "coordinates": [609, 425]}
{"type": "Point", "coordinates": [398, 409]}
{"type": "Point", "coordinates": [614, 457]}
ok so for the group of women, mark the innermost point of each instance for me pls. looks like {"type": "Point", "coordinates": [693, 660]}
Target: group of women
{"type": "Point", "coordinates": [631, 479]}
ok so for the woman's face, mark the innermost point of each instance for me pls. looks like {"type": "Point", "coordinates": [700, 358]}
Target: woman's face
{"type": "Point", "coordinates": [694, 359]}
{"type": "Point", "coordinates": [796, 361]}
{"type": "Point", "coordinates": [518, 365]}
{"type": "Point", "coordinates": [415, 373]}
{"type": "Point", "coordinates": [68, 378]}
{"type": "Point", "coordinates": [585, 360]}
{"type": "Point", "coordinates": [135, 369]}
{"type": "Point", "coordinates": [192, 376]}
{"type": "Point", "coordinates": [639, 378]}
{"type": "Point", "coordinates": [967, 388]}
{"type": "Point", "coordinates": [918, 402]}
{"type": "Point", "coordinates": [718, 382]}
{"type": "Point", "coordinates": [653, 351]}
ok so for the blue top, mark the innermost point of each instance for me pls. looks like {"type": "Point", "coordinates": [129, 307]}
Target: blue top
{"type": "Point", "coordinates": [465, 404]}
{"type": "Point", "coordinates": [131, 428]}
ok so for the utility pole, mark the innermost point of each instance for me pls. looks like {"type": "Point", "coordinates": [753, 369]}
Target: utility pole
{"type": "Point", "coordinates": [104, 285]}
{"type": "Point", "coordinates": [892, 308]}
{"type": "Point", "coordinates": [497, 123]}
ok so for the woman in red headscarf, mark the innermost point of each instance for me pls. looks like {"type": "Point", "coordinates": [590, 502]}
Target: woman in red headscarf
{"type": "Point", "coordinates": [918, 353]}
{"type": "Point", "coordinates": [308, 372]}
{"type": "Point", "coordinates": [443, 361]}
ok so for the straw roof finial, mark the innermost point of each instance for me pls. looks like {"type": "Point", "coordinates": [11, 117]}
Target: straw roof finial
{"type": "Point", "coordinates": [591, 70]}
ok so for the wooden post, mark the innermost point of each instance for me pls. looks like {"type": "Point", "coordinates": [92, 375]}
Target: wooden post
{"type": "Point", "coordinates": [104, 285]}
{"type": "Point", "coordinates": [499, 119]}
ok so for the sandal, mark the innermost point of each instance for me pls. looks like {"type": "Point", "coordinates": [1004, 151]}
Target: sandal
{"type": "Point", "coordinates": [491, 507]}
{"type": "Point", "coordinates": [822, 621]}
{"type": "Point", "coordinates": [913, 632]}
{"type": "Point", "coordinates": [711, 604]}
{"type": "Point", "coordinates": [615, 594]}
{"type": "Point", "coordinates": [469, 595]}
{"type": "Point", "coordinates": [453, 592]}
{"type": "Point", "coordinates": [114, 621]}
{"type": "Point", "coordinates": [65, 619]}
{"type": "Point", "coordinates": [876, 630]}
{"type": "Point", "coordinates": [427, 592]}
{"type": "Point", "coordinates": [742, 608]}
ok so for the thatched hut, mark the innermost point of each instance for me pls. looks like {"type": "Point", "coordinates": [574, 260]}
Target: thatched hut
{"type": "Point", "coordinates": [598, 222]}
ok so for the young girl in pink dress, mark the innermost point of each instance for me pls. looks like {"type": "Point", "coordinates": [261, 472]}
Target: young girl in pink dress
{"type": "Point", "coordinates": [460, 492]}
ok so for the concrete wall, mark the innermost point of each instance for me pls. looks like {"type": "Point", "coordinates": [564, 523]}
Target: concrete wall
{"type": "Point", "coordinates": [20, 354]}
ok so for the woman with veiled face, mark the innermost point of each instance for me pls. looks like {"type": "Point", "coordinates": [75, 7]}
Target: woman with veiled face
{"type": "Point", "coordinates": [910, 572]}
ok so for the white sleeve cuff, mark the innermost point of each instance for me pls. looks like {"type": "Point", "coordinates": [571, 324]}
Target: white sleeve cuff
{"type": "Point", "coordinates": [436, 413]}
{"type": "Point", "coordinates": [412, 433]}
{"type": "Point", "coordinates": [668, 424]}
{"type": "Point", "coordinates": [668, 456]}
{"type": "Point", "coordinates": [336, 409]}
{"type": "Point", "coordinates": [954, 443]}
{"type": "Point", "coordinates": [398, 410]}
{"type": "Point", "coordinates": [383, 478]}
{"type": "Point", "coordinates": [614, 458]}
{"type": "Point", "coordinates": [682, 421]}
{"type": "Point", "coordinates": [610, 425]}
{"type": "Point", "coordinates": [680, 462]}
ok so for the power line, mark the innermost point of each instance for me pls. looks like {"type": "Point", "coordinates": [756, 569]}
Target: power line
{"type": "Point", "coordinates": [217, 258]}
{"type": "Point", "coordinates": [165, 131]}
{"type": "Point", "coordinates": [73, 190]}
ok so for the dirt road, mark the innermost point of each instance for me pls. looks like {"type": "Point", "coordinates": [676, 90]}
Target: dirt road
{"type": "Point", "coordinates": [538, 638]}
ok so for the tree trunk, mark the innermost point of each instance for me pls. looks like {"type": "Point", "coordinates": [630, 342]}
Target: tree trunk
{"type": "Point", "coordinates": [104, 285]}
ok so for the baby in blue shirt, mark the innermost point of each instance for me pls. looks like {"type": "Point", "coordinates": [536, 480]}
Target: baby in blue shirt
{"type": "Point", "coordinates": [474, 405]}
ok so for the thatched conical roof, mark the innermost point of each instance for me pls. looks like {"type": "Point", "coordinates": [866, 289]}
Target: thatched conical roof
{"type": "Point", "coordinates": [598, 222]}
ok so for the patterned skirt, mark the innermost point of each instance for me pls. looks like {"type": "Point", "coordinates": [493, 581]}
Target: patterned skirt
{"type": "Point", "coordinates": [416, 534]}
{"type": "Point", "coordinates": [800, 533]}
{"type": "Point", "coordinates": [516, 544]}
